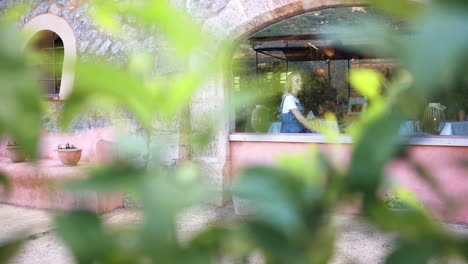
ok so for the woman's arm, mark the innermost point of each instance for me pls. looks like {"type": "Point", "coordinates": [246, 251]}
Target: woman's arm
{"type": "Point", "coordinates": [302, 119]}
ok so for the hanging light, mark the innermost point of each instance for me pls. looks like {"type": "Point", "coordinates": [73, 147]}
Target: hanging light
{"type": "Point", "coordinates": [319, 72]}
{"type": "Point", "coordinates": [329, 52]}
{"type": "Point", "coordinates": [312, 45]}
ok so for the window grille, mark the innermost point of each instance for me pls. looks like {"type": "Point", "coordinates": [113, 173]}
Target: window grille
{"type": "Point", "coordinates": [50, 66]}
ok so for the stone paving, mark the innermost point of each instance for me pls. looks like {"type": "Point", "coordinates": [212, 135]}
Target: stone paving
{"type": "Point", "coordinates": [357, 243]}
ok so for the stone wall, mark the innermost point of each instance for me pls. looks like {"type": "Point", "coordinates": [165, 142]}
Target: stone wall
{"type": "Point", "coordinates": [228, 20]}
{"type": "Point", "coordinates": [93, 42]}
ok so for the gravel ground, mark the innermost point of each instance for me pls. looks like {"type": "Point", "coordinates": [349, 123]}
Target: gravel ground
{"type": "Point", "coordinates": [357, 242]}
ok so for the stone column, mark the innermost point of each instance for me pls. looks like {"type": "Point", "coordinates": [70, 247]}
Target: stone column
{"type": "Point", "coordinates": [208, 108]}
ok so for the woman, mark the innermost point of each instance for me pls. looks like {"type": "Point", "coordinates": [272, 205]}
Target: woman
{"type": "Point", "coordinates": [292, 112]}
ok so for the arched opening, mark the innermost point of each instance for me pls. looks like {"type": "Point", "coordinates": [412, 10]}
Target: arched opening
{"type": "Point", "coordinates": [64, 34]}
{"type": "Point", "coordinates": [50, 65]}
{"type": "Point", "coordinates": [308, 43]}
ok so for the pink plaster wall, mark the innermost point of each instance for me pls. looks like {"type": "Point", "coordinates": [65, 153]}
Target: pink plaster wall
{"type": "Point", "coordinates": [443, 165]}
{"type": "Point", "coordinates": [85, 140]}
{"type": "Point", "coordinates": [441, 161]}
{"type": "Point", "coordinates": [38, 184]}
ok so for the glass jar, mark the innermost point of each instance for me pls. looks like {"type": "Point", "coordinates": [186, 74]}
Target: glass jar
{"type": "Point", "coordinates": [433, 121]}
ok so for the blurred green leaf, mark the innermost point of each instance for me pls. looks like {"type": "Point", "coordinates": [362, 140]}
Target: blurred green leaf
{"type": "Point", "coordinates": [368, 82]}
{"type": "Point", "coordinates": [409, 199]}
{"type": "Point", "coordinates": [409, 223]}
{"type": "Point", "coordinates": [113, 85]}
{"type": "Point", "coordinates": [270, 239]}
{"type": "Point", "coordinates": [105, 15]}
{"type": "Point", "coordinates": [13, 13]}
{"type": "Point", "coordinates": [217, 242]}
{"type": "Point", "coordinates": [400, 9]}
{"type": "Point", "coordinates": [439, 59]}
{"type": "Point", "coordinates": [83, 233]}
{"type": "Point", "coordinates": [382, 41]}
{"type": "Point", "coordinates": [112, 178]}
{"type": "Point", "coordinates": [322, 248]}
{"type": "Point", "coordinates": [276, 196]}
{"type": "Point", "coordinates": [178, 26]}
{"type": "Point", "coordinates": [307, 167]}
{"type": "Point", "coordinates": [20, 98]}
{"type": "Point", "coordinates": [163, 198]}
{"type": "Point", "coordinates": [294, 201]}
{"type": "Point", "coordinates": [459, 4]}
{"type": "Point", "coordinates": [9, 249]}
{"type": "Point", "coordinates": [367, 178]}
{"type": "Point", "coordinates": [5, 182]}
{"type": "Point", "coordinates": [411, 252]}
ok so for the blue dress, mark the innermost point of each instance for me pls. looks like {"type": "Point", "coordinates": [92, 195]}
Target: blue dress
{"type": "Point", "coordinates": [289, 123]}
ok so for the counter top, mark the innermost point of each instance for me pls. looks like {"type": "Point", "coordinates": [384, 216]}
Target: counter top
{"type": "Point", "coordinates": [427, 140]}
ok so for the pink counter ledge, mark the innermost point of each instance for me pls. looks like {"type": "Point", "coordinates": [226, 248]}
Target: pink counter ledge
{"type": "Point", "coordinates": [38, 185]}
{"type": "Point", "coordinates": [440, 155]}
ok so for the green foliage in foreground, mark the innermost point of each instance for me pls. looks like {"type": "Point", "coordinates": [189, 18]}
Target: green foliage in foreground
{"type": "Point", "coordinates": [293, 201]}
{"type": "Point", "coordinates": [20, 98]}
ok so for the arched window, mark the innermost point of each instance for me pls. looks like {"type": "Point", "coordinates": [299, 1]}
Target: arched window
{"type": "Point", "coordinates": [308, 44]}
{"type": "Point", "coordinates": [53, 34]}
{"type": "Point", "coordinates": [50, 67]}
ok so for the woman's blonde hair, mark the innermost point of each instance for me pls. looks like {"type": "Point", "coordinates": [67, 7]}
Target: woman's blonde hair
{"type": "Point", "coordinates": [288, 83]}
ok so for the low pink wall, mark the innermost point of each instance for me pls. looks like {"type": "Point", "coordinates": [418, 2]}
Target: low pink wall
{"type": "Point", "coordinates": [441, 161]}
{"type": "Point", "coordinates": [37, 184]}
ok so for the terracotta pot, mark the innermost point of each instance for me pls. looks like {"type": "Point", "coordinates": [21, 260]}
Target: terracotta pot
{"type": "Point", "coordinates": [15, 153]}
{"type": "Point", "coordinates": [69, 157]}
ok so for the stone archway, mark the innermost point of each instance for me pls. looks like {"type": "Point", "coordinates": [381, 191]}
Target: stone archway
{"type": "Point", "coordinates": [239, 18]}
{"type": "Point", "coordinates": [235, 20]}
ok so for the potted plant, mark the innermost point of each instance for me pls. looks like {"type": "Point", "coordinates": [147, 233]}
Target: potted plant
{"type": "Point", "coordinates": [69, 154]}
{"type": "Point", "coordinates": [15, 153]}
{"type": "Point", "coordinates": [317, 93]}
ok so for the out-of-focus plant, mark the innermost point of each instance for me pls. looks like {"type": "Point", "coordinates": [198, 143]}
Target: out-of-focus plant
{"type": "Point", "coordinates": [20, 98]}
{"type": "Point", "coordinates": [400, 198]}
{"type": "Point", "coordinates": [134, 87]}
{"type": "Point", "coordinates": [294, 201]}
{"type": "Point", "coordinates": [162, 191]}
{"type": "Point", "coordinates": [20, 106]}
